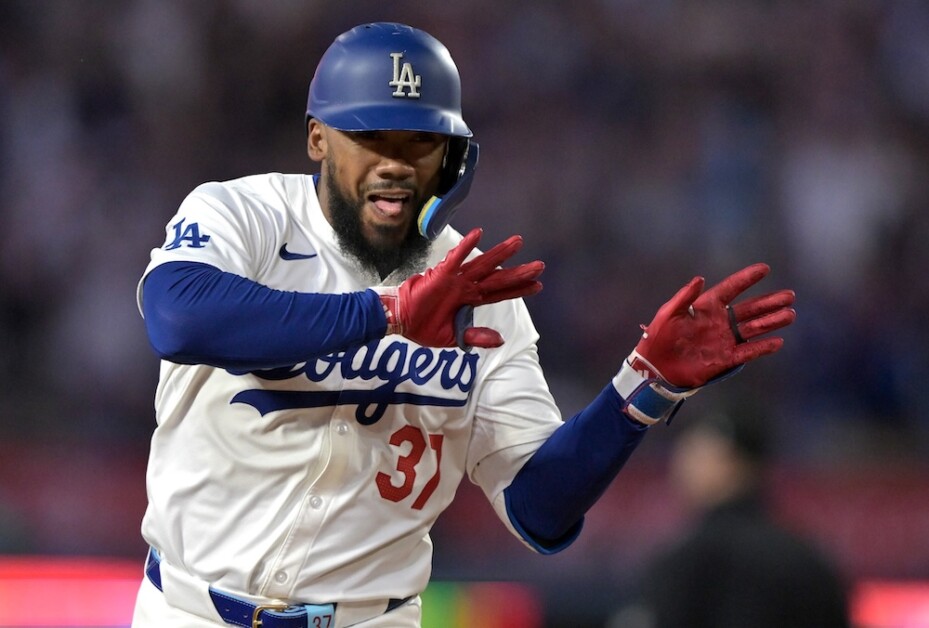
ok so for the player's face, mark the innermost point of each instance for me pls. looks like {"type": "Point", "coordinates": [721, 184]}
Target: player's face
{"type": "Point", "coordinates": [387, 175]}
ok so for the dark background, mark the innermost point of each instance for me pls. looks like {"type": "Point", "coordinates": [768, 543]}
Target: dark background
{"type": "Point", "coordinates": [633, 144]}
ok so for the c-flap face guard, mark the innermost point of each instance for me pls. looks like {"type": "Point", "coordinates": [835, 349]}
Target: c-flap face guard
{"type": "Point", "coordinates": [437, 212]}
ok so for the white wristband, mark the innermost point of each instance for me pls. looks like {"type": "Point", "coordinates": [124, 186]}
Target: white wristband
{"type": "Point", "coordinates": [647, 398]}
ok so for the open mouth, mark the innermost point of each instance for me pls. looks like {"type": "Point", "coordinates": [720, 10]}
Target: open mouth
{"type": "Point", "coordinates": [390, 203]}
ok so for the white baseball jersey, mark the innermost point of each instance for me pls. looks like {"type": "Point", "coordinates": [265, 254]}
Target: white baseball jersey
{"type": "Point", "coordinates": [319, 482]}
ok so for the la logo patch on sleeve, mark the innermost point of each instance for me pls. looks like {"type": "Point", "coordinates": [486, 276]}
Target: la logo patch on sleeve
{"type": "Point", "coordinates": [189, 236]}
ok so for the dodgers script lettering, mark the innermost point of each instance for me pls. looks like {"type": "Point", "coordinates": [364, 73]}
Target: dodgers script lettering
{"type": "Point", "coordinates": [453, 371]}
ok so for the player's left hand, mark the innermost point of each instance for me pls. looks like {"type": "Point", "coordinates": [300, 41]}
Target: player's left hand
{"type": "Point", "coordinates": [434, 308]}
{"type": "Point", "coordinates": [699, 335]}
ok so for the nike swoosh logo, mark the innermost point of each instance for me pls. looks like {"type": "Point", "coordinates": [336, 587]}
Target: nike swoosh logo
{"type": "Point", "coordinates": [287, 255]}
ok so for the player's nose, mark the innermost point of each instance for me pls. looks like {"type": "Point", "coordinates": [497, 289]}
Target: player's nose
{"type": "Point", "coordinates": [397, 155]}
{"type": "Point", "coordinates": [394, 166]}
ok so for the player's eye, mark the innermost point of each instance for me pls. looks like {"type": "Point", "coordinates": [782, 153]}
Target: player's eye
{"type": "Point", "coordinates": [428, 138]}
{"type": "Point", "coordinates": [363, 137]}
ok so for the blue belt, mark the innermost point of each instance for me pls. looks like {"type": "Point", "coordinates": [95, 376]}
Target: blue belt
{"type": "Point", "coordinates": [239, 612]}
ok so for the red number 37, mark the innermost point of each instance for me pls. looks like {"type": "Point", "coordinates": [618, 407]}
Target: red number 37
{"type": "Point", "coordinates": [406, 465]}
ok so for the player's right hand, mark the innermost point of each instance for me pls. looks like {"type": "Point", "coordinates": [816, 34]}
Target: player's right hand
{"type": "Point", "coordinates": [424, 307]}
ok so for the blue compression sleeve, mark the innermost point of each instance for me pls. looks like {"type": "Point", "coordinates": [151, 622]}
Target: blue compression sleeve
{"type": "Point", "coordinates": [197, 314]}
{"type": "Point", "coordinates": [570, 471]}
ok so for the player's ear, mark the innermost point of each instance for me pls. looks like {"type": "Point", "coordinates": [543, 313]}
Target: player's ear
{"type": "Point", "coordinates": [316, 145]}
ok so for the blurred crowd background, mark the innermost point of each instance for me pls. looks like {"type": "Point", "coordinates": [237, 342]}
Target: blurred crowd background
{"type": "Point", "coordinates": [633, 143]}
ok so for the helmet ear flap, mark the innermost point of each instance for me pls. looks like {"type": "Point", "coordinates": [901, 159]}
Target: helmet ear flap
{"type": "Point", "coordinates": [454, 185]}
{"type": "Point", "coordinates": [453, 164]}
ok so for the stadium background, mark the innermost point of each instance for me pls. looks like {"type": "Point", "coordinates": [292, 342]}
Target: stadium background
{"type": "Point", "coordinates": [632, 143]}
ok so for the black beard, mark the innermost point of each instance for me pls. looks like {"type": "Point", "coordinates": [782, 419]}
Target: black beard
{"type": "Point", "coordinates": [409, 258]}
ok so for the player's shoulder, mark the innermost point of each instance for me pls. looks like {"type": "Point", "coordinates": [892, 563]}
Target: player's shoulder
{"type": "Point", "coordinates": [444, 242]}
{"type": "Point", "coordinates": [449, 238]}
{"type": "Point", "coordinates": [266, 187]}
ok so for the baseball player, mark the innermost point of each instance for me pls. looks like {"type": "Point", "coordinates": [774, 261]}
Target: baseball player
{"type": "Point", "coordinates": [335, 358]}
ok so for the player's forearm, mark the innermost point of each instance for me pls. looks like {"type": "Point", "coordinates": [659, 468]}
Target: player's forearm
{"type": "Point", "coordinates": [198, 314]}
{"type": "Point", "coordinates": [573, 468]}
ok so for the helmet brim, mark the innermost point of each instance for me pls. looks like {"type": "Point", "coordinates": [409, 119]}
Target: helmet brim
{"type": "Point", "coordinates": [401, 117]}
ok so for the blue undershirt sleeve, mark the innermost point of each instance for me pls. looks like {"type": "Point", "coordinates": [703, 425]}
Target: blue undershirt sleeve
{"type": "Point", "coordinates": [549, 496]}
{"type": "Point", "coordinates": [197, 314]}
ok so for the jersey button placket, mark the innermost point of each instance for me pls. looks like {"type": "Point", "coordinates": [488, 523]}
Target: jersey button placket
{"type": "Point", "coordinates": [317, 499]}
{"type": "Point", "coordinates": [312, 515]}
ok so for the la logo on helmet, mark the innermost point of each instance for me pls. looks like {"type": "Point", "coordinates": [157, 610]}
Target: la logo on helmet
{"type": "Point", "coordinates": [404, 78]}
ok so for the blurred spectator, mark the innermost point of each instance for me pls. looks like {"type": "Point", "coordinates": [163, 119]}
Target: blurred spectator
{"type": "Point", "coordinates": [738, 566]}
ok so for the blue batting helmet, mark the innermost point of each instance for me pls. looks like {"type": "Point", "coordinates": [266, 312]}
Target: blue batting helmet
{"type": "Point", "coordinates": [392, 77]}
{"type": "Point", "coordinates": [387, 76]}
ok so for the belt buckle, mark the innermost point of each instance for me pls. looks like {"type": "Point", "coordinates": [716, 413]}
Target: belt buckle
{"type": "Point", "coordinates": [256, 619]}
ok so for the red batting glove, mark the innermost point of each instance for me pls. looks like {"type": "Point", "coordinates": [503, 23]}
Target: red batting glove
{"type": "Point", "coordinates": [424, 307]}
{"type": "Point", "coordinates": [696, 337]}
